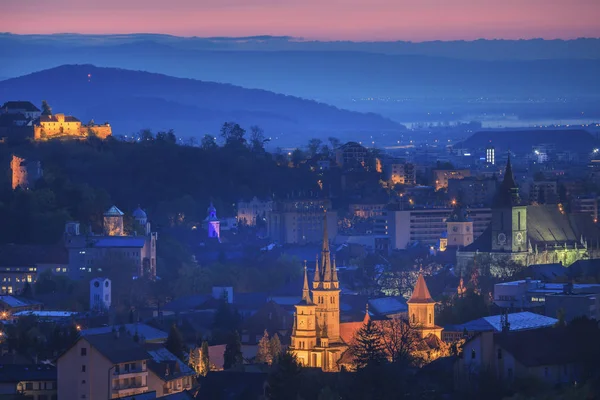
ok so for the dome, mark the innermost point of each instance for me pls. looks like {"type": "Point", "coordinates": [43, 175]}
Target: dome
{"type": "Point", "coordinates": [138, 213]}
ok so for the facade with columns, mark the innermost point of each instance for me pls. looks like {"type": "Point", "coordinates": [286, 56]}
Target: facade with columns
{"type": "Point", "coordinates": [530, 234]}
{"type": "Point", "coordinates": [316, 340]}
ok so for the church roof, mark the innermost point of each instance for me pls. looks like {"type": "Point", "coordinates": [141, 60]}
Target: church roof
{"type": "Point", "coordinates": [139, 213]}
{"type": "Point", "coordinates": [420, 293]}
{"type": "Point", "coordinates": [113, 212]}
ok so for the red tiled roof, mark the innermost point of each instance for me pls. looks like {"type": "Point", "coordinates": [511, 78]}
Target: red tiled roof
{"type": "Point", "coordinates": [421, 293]}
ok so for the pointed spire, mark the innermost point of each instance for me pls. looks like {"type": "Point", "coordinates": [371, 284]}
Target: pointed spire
{"type": "Point", "coordinates": [294, 326]}
{"type": "Point", "coordinates": [508, 193]}
{"type": "Point", "coordinates": [317, 277]}
{"type": "Point", "coordinates": [325, 233]}
{"type": "Point", "coordinates": [421, 293]}
{"type": "Point", "coordinates": [325, 254]}
{"type": "Point", "coordinates": [305, 291]}
{"type": "Point", "coordinates": [367, 317]}
{"type": "Point", "coordinates": [335, 275]}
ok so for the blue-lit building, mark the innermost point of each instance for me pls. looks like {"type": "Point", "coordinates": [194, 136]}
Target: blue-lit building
{"type": "Point", "coordinates": [90, 252]}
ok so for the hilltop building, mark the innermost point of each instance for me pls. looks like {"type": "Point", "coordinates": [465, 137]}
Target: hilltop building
{"type": "Point", "coordinates": [535, 234]}
{"type": "Point", "coordinates": [351, 155]}
{"type": "Point", "coordinates": [61, 125]}
{"type": "Point", "coordinates": [315, 336]}
{"type": "Point", "coordinates": [25, 108]}
{"type": "Point", "coordinates": [89, 251]}
{"type": "Point", "coordinates": [24, 172]}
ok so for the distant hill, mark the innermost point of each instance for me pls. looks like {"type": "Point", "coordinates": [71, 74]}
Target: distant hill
{"type": "Point", "coordinates": [577, 140]}
{"type": "Point", "coordinates": [134, 100]}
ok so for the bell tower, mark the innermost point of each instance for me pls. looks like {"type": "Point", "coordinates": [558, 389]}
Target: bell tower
{"type": "Point", "coordinates": [326, 290]}
{"type": "Point", "coordinates": [421, 310]}
{"type": "Point", "coordinates": [460, 228]}
{"type": "Point", "coordinates": [509, 216]}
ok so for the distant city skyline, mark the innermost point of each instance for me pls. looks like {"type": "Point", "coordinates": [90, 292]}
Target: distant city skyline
{"type": "Point", "coordinates": [360, 20]}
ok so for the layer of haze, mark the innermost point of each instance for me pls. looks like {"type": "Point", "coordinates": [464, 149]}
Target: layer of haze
{"type": "Point", "coordinates": [416, 20]}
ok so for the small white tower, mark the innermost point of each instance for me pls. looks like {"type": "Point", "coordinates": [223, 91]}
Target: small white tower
{"type": "Point", "coordinates": [100, 296]}
{"type": "Point", "coordinates": [213, 223]}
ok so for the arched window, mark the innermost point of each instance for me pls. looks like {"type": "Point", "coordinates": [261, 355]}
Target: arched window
{"type": "Point", "coordinates": [430, 319]}
{"type": "Point", "coordinates": [414, 319]}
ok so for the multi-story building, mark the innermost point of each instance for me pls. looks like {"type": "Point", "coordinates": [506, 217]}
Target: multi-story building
{"type": "Point", "coordinates": [300, 220]}
{"type": "Point", "coordinates": [473, 191]}
{"type": "Point", "coordinates": [28, 381]}
{"type": "Point", "coordinates": [104, 366]}
{"type": "Point", "coordinates": [351, 154]}
{"type": "Point", "coordinates": [167, 374]}
{"type": "Point", "coordinates": [585, 205]}
{"type": "Point", "coordinates": [401, 173]}
{"type": "Point", "coordinates": [22, 264]}
{"type": "Point", "coordinates": [425, 226]}
{"type": "Point", "coordinates": [88, 252]}
{"type": "Point", "coordinates": [542, 192]}
{"type": "Point", "coordinates": [442, 176]}
{"type": "Point", "coordinates": [490, 155]}
{"type": "Point", "coordinates": [249, 211]}
{"type": "Point", "coordinates": [367, 210]}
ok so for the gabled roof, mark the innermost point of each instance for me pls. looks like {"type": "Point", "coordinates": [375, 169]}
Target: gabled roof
{"type": "Point", "coordinates": [10, 373]}
{"type": "Point", "coordinates": [420, 293]}
{"type": "Point", "coordinates": [117, 348]}
{"type": "Point", "coordinates": [114, 212]}
{"type": "Point", "coordinates": [20, 105]}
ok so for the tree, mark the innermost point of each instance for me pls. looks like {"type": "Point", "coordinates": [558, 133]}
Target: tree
{"type": "Point", "coordinates": [275, 347]}
{"type": "Point", "coordinates": [283, 382]}
{"type": "Point", "coordinates": [208, 142]}
{"type": "Point", "coordinates": [27, 291]}
{"type": "Point", "coordinates": [334, 142]}
{"type": "Point", "coordinates": [233, 134]}
{"type": "Point", "coordinates": [46, 109]}
{"type": "Point", "coordinates": [399, 340]}
{"type": "Point", "coordinates": [313, 146]}
{"type": "Point", "coordinates": [146, 135]}
{"type": "Point", "coordinates": [174, 342]}
{"type": "Point", "coordinates": [297, 157]}
{"type": "Point", "coordinates": [204, 359]}
{"type": "Point", "coordinates": [263, 355]}
{"type": "Point", "coordinates": [232, 356]}
{"type": "Point", "coordinates": [257, 139]}
{"type": "Point", "coordinates": [367, 347]}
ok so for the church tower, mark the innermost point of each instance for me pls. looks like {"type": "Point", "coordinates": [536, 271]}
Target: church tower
{"type": "Point", "coordinates": [213, 224]}
{"type": "Point", "coordinates": [509, 216]}
{"type": "Point", "coordinates": [304, 332]}
{"type": "Point", "coordinates": [460, 228]}
{"type": "Point", "coordinates": [113, 222]}
{"type": "Point", "coordinates": [421, 310]}
{"type": "Point", "coordinates": [326, 290]}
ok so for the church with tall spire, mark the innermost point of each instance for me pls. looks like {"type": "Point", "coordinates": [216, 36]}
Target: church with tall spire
{"type": "Point", "coordinates": [316, 340]}
{"type": "Point", "coordinates": [530, 234]}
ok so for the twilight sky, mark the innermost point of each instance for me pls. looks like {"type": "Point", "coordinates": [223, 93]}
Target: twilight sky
{"type": "Point", "coordinates": [415, 20]}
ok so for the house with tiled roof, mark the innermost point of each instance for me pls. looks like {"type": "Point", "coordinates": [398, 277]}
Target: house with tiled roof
{"type": "Point", "coordinates": [25, 108]}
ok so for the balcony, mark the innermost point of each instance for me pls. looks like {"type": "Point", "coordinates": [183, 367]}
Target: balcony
{"type": "Point", "coordinates": [132, 388]}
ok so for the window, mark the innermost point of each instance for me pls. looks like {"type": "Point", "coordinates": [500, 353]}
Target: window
{"type": "Point", "coordinates": [117, 369]}
{"type": "Point", "coordinates": [29, 386]}
{"type": "Point", "coordinates": [473, 354]}
{"type": "Point", "coordinates": [499, 354]}
{"type": "Point", "coordinates": [430, 318]}
{"type": "Point", "coordinates": [83, 382]}
{"type": "Point", "coordinates": [83, 368]}
{"type": "Point", "coordinates": [84, 351]}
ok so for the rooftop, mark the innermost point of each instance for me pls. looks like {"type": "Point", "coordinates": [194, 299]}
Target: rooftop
{"type": "Point", "coordinates": [120, 241]}
{"type": "Point", "coordinates": [149, 333]}
{"type": "Point", "coordinates": [420, 293]}
{"type": "Point", "coordinates": [27, 372]}
{"type": "Point", "coordinates": [46, 314]}
{"type": "Point", "coordinates": [114, 212]}
{"type": "Point", "coordinates": [518, 321]}
{"type": "Point", "coordinates": [14, 301]}
{"type": "Point", "coordinates": [117, 348]}
{"type": "Point", "coordinates": [20, 105]}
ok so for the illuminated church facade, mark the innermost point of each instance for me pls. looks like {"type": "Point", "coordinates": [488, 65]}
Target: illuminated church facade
{"type": "Point", "coordinates": [531, 234]}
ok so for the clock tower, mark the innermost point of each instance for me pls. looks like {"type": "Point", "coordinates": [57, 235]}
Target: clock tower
{"type": "Point", "coordinates": [460, 228]}
{"type": "Point", "coordinates": [509, 216]}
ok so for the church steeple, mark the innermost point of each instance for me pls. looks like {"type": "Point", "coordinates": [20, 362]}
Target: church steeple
{"type": "Point", "coordinates": [508, 192]}
{"type": "Point", "coordinates": [317, 277]}
{"type": "Point", "coordinates": [325, 254]}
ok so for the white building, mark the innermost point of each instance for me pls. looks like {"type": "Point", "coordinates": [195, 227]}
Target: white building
{"type": "Point", "coordinates": [100, 294]}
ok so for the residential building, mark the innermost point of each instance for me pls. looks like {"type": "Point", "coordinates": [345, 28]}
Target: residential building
{"type": "Point", "coordinates": [585, 205]}
{"type": "Point", "coordinates": [401, 173]}
{"type": "Point", "coordinates": [167, 374]}
{"type": "Point", "coordinates": [518, 322]}
{"type": "Point", "coordinates": [426, 226]}
{"type": "Point", "coordinates": [300, 221]}
{"type": "Point", "coordinates": [249, 211]}
{"type": "Point", "coordinates": [530, 293]}
{"type": "Point", "coordinates": [542, 192]}
{"type": "Point", "coordinates": [473, 191]}
{"type": "Point", "coordinates": [28, 381]}
{"type": "Point", "coordinates": [26, 108]}
{"type": "Point", "coordinates": [88, 252]}
{"type": "Point", "coordinates": [442, 176]}
{"type": "Point", "coordinates": [490, 155]}
{"type": "Point", "coordinates": [571, 305]}
{"type": "Point", "coordinates": [528, 354]}
{"type": "Point", "coordinates": [351, 155]}
{"type": "Point", "coordinates": [104, 366]}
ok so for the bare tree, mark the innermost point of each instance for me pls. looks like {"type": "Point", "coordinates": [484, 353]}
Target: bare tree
{"type": "Point", "coordinates": [400, 340]}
